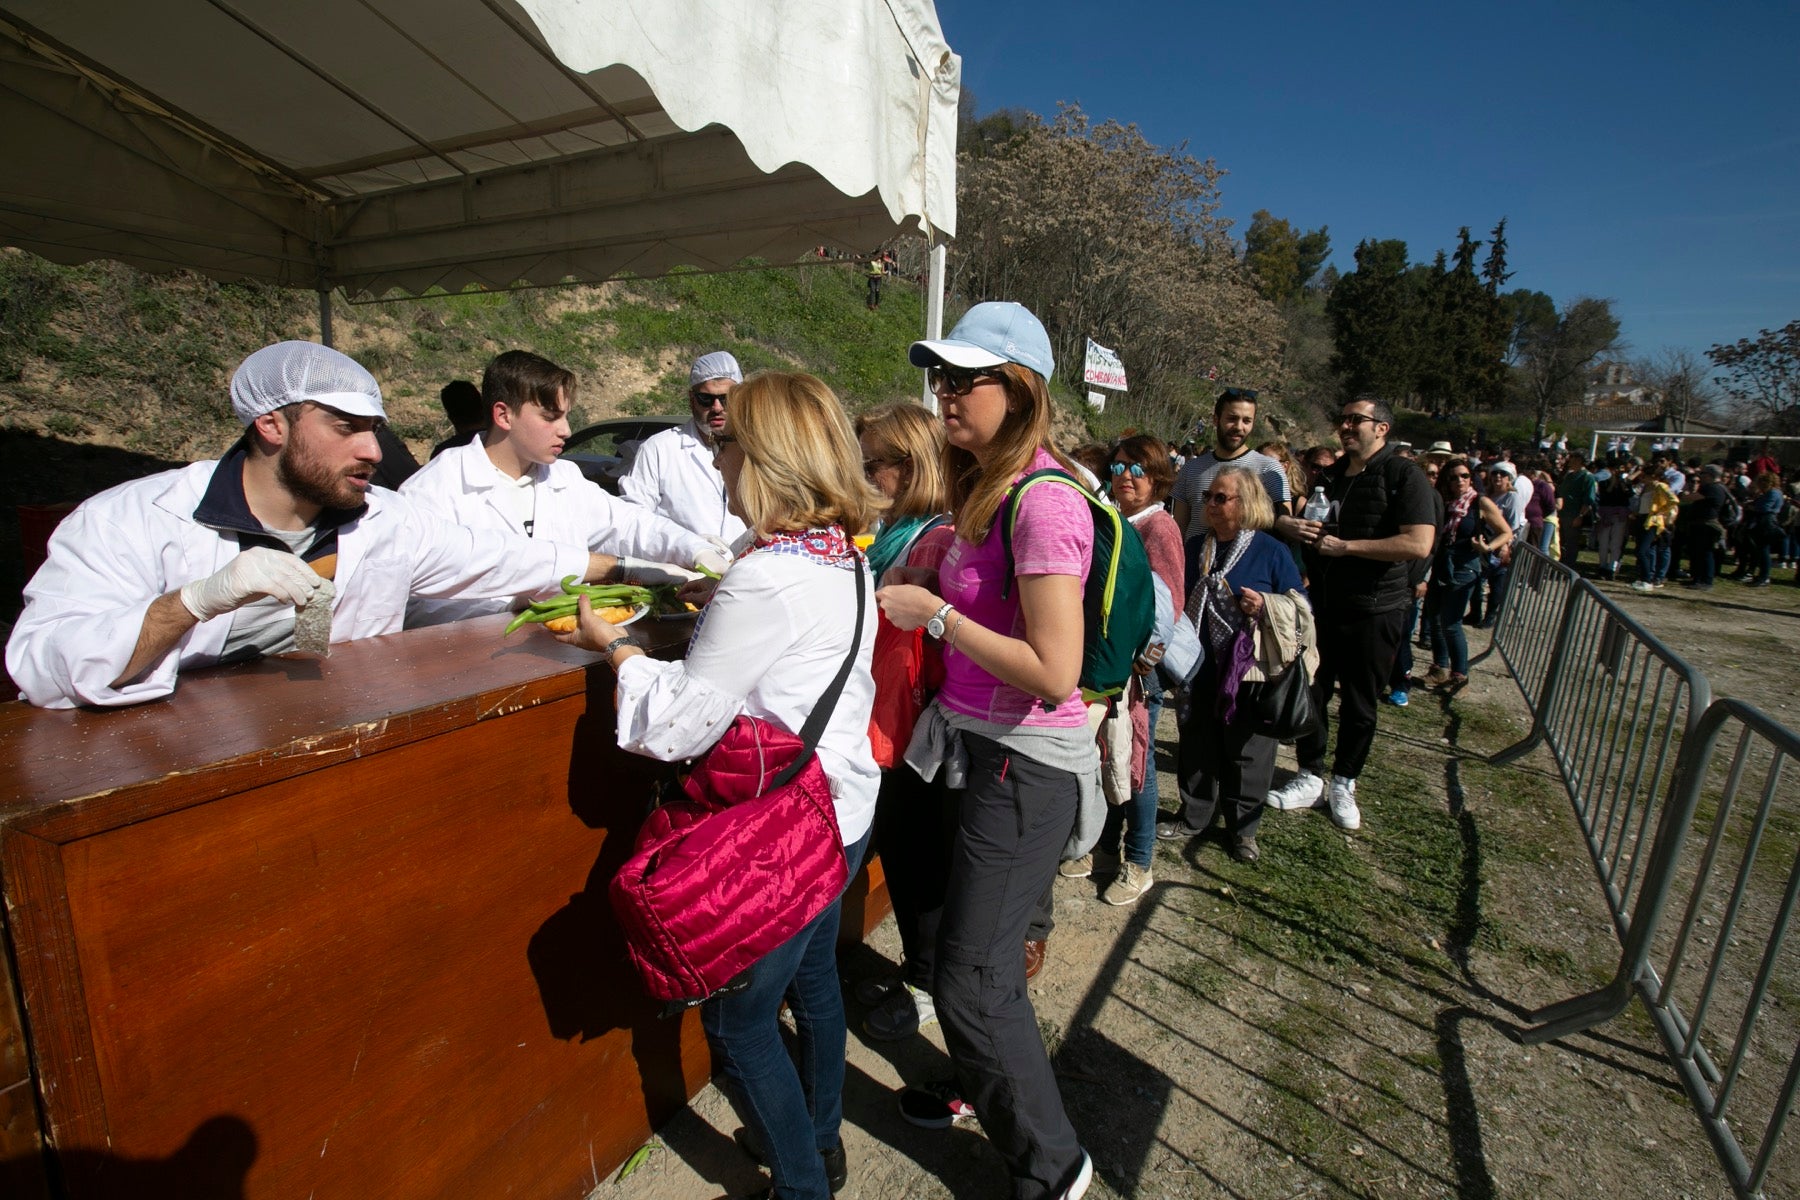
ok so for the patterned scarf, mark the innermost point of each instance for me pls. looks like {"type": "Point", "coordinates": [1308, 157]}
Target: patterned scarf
{"type": "Point", "coordinates": [1210, 604]}
{"type": "Point", "coordinates": [828, 547]}
{"type": "Point", "coordinates": [1455, 511]}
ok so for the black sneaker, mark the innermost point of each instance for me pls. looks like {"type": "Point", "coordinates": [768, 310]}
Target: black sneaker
{"type": "Point", "coordinates": [935, 1105]}
{"type": "Point", "coordinates": [837, 1163]}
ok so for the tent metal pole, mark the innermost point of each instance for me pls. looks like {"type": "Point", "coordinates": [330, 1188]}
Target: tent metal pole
{"type": "Point", "coordinates": [934, 309]}
{"type": "Point", "coordinates": [325, 316]}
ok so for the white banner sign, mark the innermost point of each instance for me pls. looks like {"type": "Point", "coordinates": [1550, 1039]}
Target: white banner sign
{"type": "Point", "coordinates": [1103, 368]}
{"type": "Point", "coordinates": [1097, 400]}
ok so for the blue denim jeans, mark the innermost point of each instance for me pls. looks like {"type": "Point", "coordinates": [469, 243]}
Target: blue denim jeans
{"type": "Point", "coordinates": [1136, 818]}
{"type": "Point", "coordinates": [1453, 600]}
{"type": "Point", "coordinates": [1654, 556]}
{"type": "Point", "coordinates": [792, 1105]}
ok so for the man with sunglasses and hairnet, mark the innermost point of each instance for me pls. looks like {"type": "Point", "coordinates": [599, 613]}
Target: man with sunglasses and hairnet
{"type": "Point", "coordinates": [674, 473]}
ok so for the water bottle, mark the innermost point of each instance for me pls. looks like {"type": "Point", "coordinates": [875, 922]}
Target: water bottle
{"type": "Point", "coordinates": [1318, 508]}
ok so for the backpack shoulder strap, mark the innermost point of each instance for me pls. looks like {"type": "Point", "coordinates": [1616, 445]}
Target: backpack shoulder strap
{"type": "Point", "coordinates": [1010, 512]}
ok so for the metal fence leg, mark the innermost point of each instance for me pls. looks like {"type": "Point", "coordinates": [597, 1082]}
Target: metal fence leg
{"type": "Point", "coordinates": [1540, 711]}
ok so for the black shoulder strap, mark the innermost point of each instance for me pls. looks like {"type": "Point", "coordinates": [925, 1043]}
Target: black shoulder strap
{"type": "Point", "coordinates": [814, 729]}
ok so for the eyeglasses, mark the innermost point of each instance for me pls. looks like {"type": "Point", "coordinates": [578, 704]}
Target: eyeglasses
{"type": "Point", "coordinates": [1218, 498]}
{"type": "Point", "coordinates": [708, 399]}
{"type": "Point", "coordinates": [955, 380]}
{"type": "Point", "coordinates": [719, 442]}
{"type": "Point", "coordinates": [1135, 470]}
{"type": "Point", "coordinates": [872, 465]}
{"type": "Point", "coordinates": [1354, 419]}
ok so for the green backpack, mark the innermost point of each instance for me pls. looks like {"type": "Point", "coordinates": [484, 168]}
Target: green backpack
{"type": "Point", "coordinates": [1118, 601]}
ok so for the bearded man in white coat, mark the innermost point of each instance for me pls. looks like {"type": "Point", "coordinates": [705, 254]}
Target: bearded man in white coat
{"type": "Point", "coordinates": [207, 563]}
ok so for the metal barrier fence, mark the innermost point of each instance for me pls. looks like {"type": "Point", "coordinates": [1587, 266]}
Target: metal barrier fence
{"type": "Point", "coordinates": [1636, 738]}
{"type": "Point", "coordinates": [1531, 613]}
{"type": "Point", "coordinates": [1613, 705]}
{"type": "Point", "coordinates": [1719, 984]}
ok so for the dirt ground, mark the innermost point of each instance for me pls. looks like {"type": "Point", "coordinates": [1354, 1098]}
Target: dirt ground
{"type": "Point", "coordinates": [1335, 1020]}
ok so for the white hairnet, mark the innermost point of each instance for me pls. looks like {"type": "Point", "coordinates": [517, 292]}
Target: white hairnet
{"type": "Point", "coordinates": [289, 372]}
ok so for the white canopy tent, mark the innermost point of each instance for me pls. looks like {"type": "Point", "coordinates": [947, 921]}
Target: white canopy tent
{"type": "Point", "coordinates": [394, 146]}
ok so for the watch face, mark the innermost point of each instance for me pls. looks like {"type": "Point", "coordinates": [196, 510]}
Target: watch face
{"type": "Point", "coordinates": [935, 627]}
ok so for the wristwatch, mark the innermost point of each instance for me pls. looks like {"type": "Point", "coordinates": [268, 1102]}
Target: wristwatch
{"type": "Point", "coordinates": [611, 648]}
{"type": "Point", "coordinates": [935, 626]}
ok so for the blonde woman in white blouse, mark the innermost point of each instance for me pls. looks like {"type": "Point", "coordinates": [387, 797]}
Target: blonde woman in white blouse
{"type": "Point", "coordinates": [769, 642]}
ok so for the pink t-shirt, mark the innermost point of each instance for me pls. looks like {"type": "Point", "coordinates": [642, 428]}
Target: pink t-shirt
{"type": "Point", "coordinates": [1054, 535]}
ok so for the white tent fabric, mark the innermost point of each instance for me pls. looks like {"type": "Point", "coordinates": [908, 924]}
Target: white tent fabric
{"type": "Point", "coordinates": [387, 146]}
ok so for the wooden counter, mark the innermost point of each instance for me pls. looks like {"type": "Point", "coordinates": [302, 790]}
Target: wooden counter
{"type": "Point", "coordinates": [333, 929]}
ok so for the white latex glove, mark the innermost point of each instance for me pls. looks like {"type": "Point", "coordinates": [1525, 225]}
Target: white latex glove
{"type": "Point", "coordinates": [258, 571]}
{"type": "Point", "coordinates": [714, 560]}
{"type": "Point", "coordinates": [652, 574]}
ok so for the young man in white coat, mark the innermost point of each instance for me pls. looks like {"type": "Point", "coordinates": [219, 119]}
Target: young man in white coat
{"type": "Point", "coordinates": [510, 479]}
{"type": "Point", "coordinates": [207, 563]}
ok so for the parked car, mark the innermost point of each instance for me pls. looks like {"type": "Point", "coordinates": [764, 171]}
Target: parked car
{"type": "Point", "coordinates": [604, 450]}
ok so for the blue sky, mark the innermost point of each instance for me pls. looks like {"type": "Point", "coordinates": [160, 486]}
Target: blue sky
{"type": "Point", "coordinates": [1649, 153]}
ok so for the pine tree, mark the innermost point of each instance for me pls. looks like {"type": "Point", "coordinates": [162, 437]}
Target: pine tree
{"type": "Point", "coordinates": [1490, 389]}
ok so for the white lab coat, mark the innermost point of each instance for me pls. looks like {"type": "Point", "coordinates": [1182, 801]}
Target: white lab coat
{"type": "Point", "coordinates": [674, 475]}
{"type": "Point", "coordinates": [114, 555]}
{"type": "Point", "coordinates": [463, 485]}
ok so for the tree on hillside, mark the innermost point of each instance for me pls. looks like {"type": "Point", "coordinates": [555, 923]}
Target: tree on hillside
{"type": "Point", "coordinates": [1456, 345]}
{"type": "Point", "coordinates": [1283, 259]}
{"type": "Point", "coordinates": [1375, 314]}
{"type": "Point", "coordinates": [1556, 351]}
{"type": "Point", "coordinates": [1105, 235]}
{"type": "Point", "coordinates": [1497, 328]}
{"type": "Point", "coordinates": [1762, 373]}
{"type": "Point", "coordinates": [1681, 378]}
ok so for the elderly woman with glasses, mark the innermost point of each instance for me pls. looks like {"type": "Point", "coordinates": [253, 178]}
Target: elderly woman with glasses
{"type": "Point", "coordinates": [1225, 763]}
{"type": "Point", "coordinates": [771, 639]}
{"type": "Point", "coordinates": [1473, 528]}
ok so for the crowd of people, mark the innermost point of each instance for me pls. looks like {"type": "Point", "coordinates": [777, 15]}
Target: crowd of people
{"type": "Point", "coordinates": [804, 537]}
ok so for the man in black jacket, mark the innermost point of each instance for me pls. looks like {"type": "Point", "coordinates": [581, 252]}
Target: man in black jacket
{"type": "Point", "coordinates": [1700, 528]}
{"type": "Point", "coordinates": [1359, 578]}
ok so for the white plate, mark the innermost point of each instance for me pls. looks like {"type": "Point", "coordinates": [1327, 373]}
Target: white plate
{"type": "Point", "coordinates": [636, 616]}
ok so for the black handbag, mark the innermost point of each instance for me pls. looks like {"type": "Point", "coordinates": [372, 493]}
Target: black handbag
{"type": "Point", "coordinates": [1281, 707]}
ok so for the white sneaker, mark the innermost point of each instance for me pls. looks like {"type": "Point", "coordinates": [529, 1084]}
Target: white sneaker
{"type": "Point", "coordinates": [1643, 585]}
{"type": "Point", "coordinates": [1079, 1188]}
{"type": "Point", "coordinates": [1342, 802]}
{"type": "Point", "coordinates": [1302, 791]}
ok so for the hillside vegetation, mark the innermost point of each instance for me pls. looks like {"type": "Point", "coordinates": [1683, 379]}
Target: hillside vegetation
{"type": "Point", "coordinates": [105, 354]}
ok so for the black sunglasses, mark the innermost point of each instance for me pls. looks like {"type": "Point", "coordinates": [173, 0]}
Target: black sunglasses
{"type": "Point", "coordinates": [957, 381]}
{"type": "Point", "coordinates": [708, 399]}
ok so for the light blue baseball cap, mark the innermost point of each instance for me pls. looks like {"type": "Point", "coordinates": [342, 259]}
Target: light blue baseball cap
{"type": "Point", "coordinates": [991, 333]}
